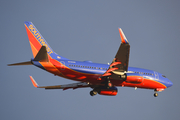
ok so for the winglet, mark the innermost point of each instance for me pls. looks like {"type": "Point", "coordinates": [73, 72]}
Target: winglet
{"type": "Point", "coordinates": [123, 37]}
{"type": "Point", "coordinates": [34, 82]}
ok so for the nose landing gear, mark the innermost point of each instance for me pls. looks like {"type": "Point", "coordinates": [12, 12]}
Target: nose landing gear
{"type": "Point", "coordinates": [155, 94]}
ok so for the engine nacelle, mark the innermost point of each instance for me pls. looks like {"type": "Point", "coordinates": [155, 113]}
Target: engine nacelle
{"type": "Point", "coordinates": [134, 78]}
{"type": "Point", "coordinates": [112, 91]}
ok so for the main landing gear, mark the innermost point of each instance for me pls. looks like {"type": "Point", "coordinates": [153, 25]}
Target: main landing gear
{"type": "Point", "coordinates": [108, 83]}
{"type": "Point", "coordinates": [93, 92]}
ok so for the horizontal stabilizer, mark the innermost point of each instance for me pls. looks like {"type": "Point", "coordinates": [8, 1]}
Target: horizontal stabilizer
{"type": "Point", "coordinates": [41, 56]}
{"type": "Point", "coordinates": [21, 63]}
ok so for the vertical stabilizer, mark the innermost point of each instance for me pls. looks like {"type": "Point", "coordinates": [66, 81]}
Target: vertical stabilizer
{"type": "Point", "coordinates": [36, 41]}
{"type": "Point", "coordinates": [42, 55]}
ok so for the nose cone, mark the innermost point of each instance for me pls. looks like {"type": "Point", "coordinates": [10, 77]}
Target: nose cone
{"type": "Point", "coordinates": [164, 80]}
{"type": "Point", "coordinates": [169, 83]}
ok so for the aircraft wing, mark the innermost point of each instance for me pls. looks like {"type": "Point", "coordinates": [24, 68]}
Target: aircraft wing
{"type": "Point", "coordinates": [119, 65]}
{"type": "Point", "coordinates": [64, 87]}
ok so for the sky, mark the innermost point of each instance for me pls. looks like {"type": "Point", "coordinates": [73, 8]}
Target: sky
{"type": "Point", "coordinates": [88, 30]}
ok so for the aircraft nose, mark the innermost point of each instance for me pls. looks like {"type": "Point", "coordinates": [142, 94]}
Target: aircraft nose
{"type": "Point", "coordinates": [169, 84]}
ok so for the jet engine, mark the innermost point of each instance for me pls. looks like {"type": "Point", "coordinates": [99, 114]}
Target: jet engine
{"type": "Point", "coordinates": [134, 78]}
{"type": "Point", "coordinates": [112, 91]}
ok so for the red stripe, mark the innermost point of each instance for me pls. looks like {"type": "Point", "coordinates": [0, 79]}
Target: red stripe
{"type": "Point", "coordinates": [33, 41]}
{"type": "Point", "coordinates": [122, 39]}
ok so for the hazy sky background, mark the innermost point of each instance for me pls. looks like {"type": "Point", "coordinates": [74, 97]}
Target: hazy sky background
{"type": "Point", "coordinates": [88, 30]}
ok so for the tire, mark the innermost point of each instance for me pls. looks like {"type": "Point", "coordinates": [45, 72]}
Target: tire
{"type": "Point", "coordinates": [155, 94]}
{"type": "Point", "coordinates": [92, 93]}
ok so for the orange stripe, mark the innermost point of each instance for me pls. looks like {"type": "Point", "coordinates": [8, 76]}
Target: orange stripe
{"type": "Point", "coordinates": [33, 82]}
{"type": "Point", "coordinates": [34, 50]}
{"type": "Point", "coordinates": [33, 41]}
{"type": "Point", "coordinates": [122, 39]}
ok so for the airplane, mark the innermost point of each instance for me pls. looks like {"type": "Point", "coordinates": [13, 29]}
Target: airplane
{"type": "Point", "coordinates": [102, 78]}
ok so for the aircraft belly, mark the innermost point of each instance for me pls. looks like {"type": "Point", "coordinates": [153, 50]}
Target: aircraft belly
{"type": "Point", "coordinates": [147, 83]}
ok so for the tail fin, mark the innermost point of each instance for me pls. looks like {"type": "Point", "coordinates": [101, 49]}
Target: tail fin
{"type": "Point", "coordinates": [36, 41]}
{"type": "Point", "coordinates": [42, 55]}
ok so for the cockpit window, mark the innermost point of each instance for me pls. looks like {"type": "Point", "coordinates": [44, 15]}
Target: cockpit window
{"type": "Point", "coordinates": [164, 76]}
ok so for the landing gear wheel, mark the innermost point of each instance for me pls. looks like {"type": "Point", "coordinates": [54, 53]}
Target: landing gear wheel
{"type": "Point", "coordinates": [155, 94]}
{"type": "Point", "coordinates": [92, 93]}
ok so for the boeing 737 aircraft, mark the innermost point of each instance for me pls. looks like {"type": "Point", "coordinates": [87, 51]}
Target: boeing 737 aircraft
{"type": "Point", "coordinates": [102, 78]}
